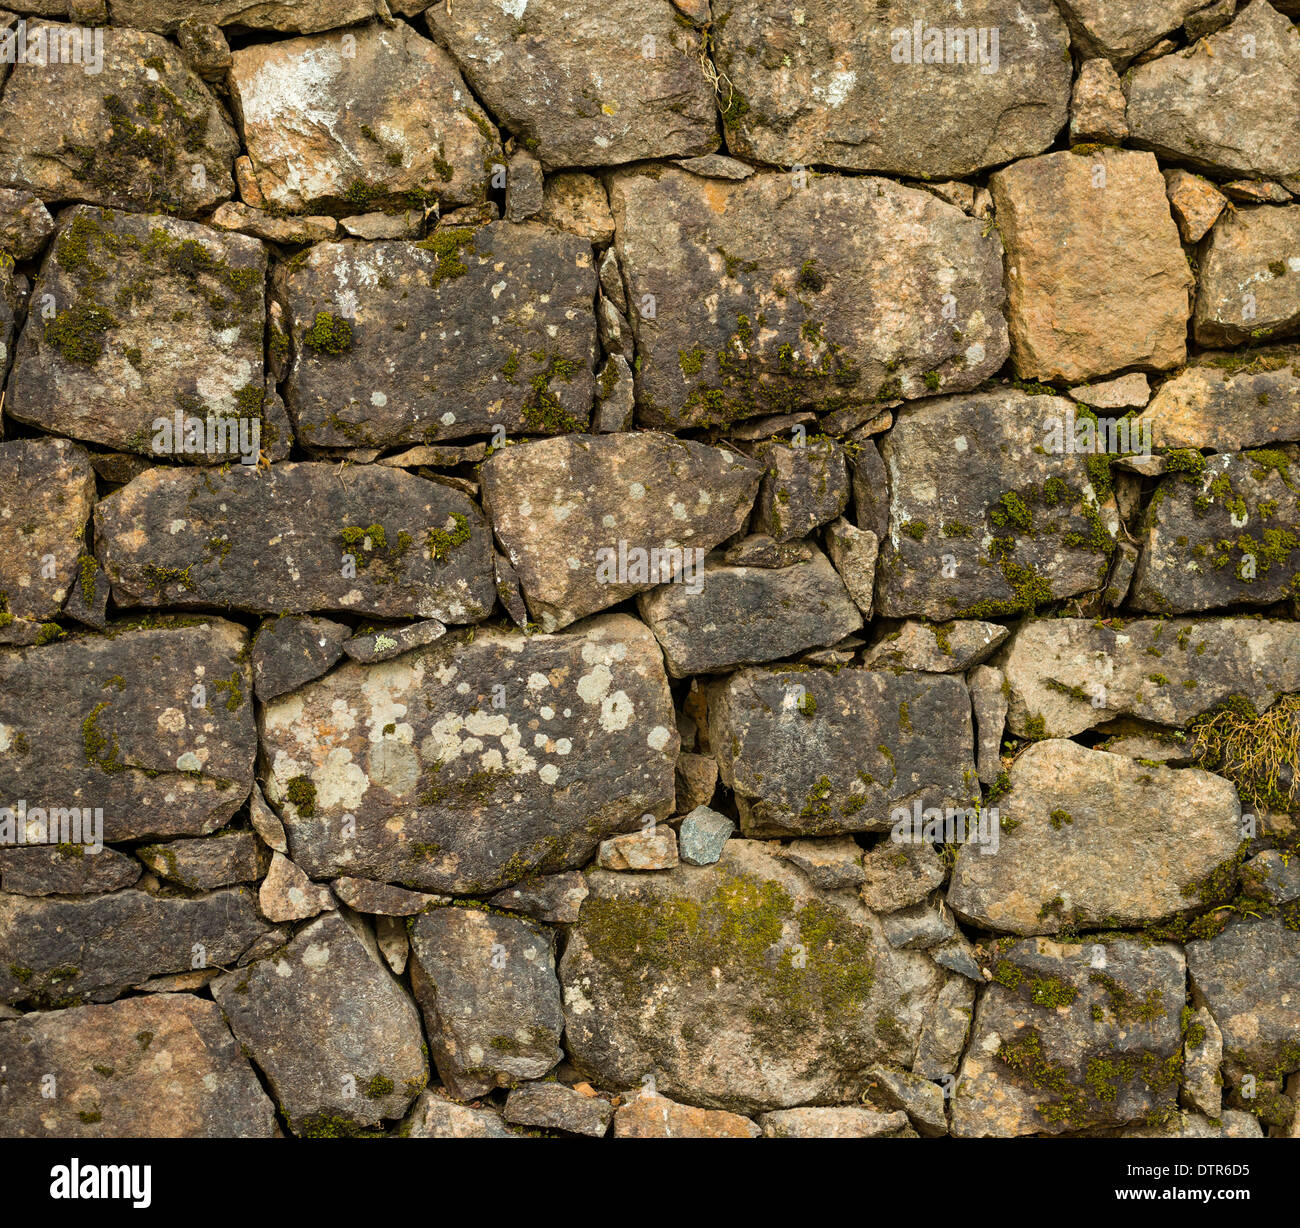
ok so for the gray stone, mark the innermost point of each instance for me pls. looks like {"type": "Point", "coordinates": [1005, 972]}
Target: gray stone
{"type": "Point", "coordinates": [804, 487]}
{"type": "Point", "coordinates": [760, 292]}
{"type": "Point", "coordinates": [741, 615]}
{"type": "Point", "coordinates": [918, 928]}
{"type": "Point", "coordinates": [990, 701]}
{"type": "Point", "coordinates": [920, 1099]}
{"type": "Point", "coordinates": [383, 899]}
{"type": "Point", "coordinates": [491, 1002]}
{"type": "Point", "coordinates": [524, 187]}
{"type": "Point", "coordinates": [1231, 1123]}
{"type": "Point", "coordinates": [391, 642]}
{"type": "Point", "coordinates": [266, 822]}
{"type": "Point", "coordinates": [717, 166]}
{"type": "Point", "coordinates": [335, 1035]}
{"type": "Point", "coordinates": [408, 224]}
{"type": "Point", "coordinates": [853, 551]}
{"type": "Point", "coordinates": [552, 1106]}
{"type": "Point", "coordinates": [417, 548]}
{"type": "Point", "coordinates": [703, 835]}
{"type": "Point", "coordinates": [399, 343]}
{"type": "Point", "coordinates": [25, 223]}
{"type": "Point", "coordinates": [820, 752]}
{"type": "Point", "coordinates": [759, 550]}
{"type": "Point", "coordinates": [404, 129]}
{"type": "Point", "coordinates": [1271, 876]}
{"type": "Point", "coordinates": [870, 488]}
{"type": "Point", "coordinates": [293, 650]}
{"type": "Point", "coordinates": [157, 1067]}
{"type": "Point", "coordinates": [1120, 29]}
{"type": "Point", "coordinates": [70, 870]}
{"type": "Point", "coordinates": [206, 861]}
{"type": "Point", "coordinates": [64, 951]}
{"type": "Point", "coordinates": [461, 795]}
{"type": "Point", "coordinates": [554, 898]}
{"type": "Point", "coordinates": [977, 526]}
{"type": "Point", "coordinates": [654, 1116]}
{"type": "Point", "coordinates": [111, 722]}
{"type": "Point", "coordinates": [848, 86]}
{"type": "Point", "coordinates": [125, 136]}
{"type": "Point", "coordinates": [1211, 18]}
{"type": "Point", "coordinates": [897, 875]}
{"type": "Point", "coordinates": [87, 602]}
{"type": "Point", "coordinates": [830, 865]}
{"type": "Point", "coordinates": [1123, 392]}
{"type": "Point", "coordinates": [651, 849]}
{"type": "Point", "coordinates": [1202, 1085]}
{"type": "Point", "coordinates": [942, 648]}
{"type": "Point", "coordinates": [1250, 276]}
{"type": "Point", "coordinates": [946, 1027]}
{"type": "Point", "coordinates": [834, 1123]}
{"type": "Point", "coordinates": [1098, 841]}
{"type": "Point", "coordinates": [434, 1116]}
{"type": "Point", "coordinates": [730, 981]}
{"type": "Point", "coordinates": [291, 231]}
{"type": "Point", "coordinates": [579, 515]}
{"type": "Point", "coordinates": [643, 96]}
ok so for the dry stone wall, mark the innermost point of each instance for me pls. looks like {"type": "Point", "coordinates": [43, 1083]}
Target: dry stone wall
{"type": "Point", "coordinates": [646, 568]}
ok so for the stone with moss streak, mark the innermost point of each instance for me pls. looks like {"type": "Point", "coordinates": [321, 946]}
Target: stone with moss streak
{"type": "Point", "coordinates": [207, 861]}
{"type": "Point", "coordinates": [451, 792]}
{"type": "Point", "coordinates": [789, 298]}
{"type": "Point", "coordinates": [1100, 840]}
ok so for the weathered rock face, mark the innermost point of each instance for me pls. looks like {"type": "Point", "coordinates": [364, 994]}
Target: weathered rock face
{"type": "Point", "coordinates": [480, 787]}
{"type": "Point", "coordinates": [1072, 674]}
{"type": "Point", "coordinates": [25, 224]}
{"type": "Point", "coordinates": [864, 87]}
{"type": "Point", "coordinates": [1092, 839]}
{"type": "Point", "coordinates": [815, 752]}
{"type": "Point", "coordinates": [336, 1037]}
{"type": "Point", "coordinates": [293, 16]}
{"type": "Point", "coordinates": [943, 648]}
{"type": "Point", "coordinates": [206, 862]}
{"type": "Point", "coordinates": [372, 116]}
{"type": "Point", "coordinates": [1230, 106]}
{"type": "Point", "coordinates": [992, 511]}
{"type": "Point", "coordinates": [763, 296]}
{"type": "Point", "coordinates": [1225, 537]}
{"type": "Point", "coordinates": [741, 615]}
{"type": "Point", "coordinates": [141, 133]}
{"type": "Point", "coordinates": [46, 491]}
{"type": "Point", "coordinates": [1247, 976]}
{"type": "Point", "coordinates": [491, 1003]}
{"type": "Point", "coordinates": [73, 870]}
{"type": "Point", "coordinates": [1072, 1037]}
{"type": "Point", "coordinates": [1096, 277]}
{"type": "Point", "coordinates": [737, 986]}
{"type": "Point", "coordinates": [63, 951]}
{"type": "Point", "coordinates": [153, 726]}
{"type": "Point", "coordinates": [164, 1066]}
{"type": "Point", "coordinates": [294, 649]}
{"type": "Point", "coordinates": [1250, 277]}
{"type": "Point", "coordinates": [454, 336]}
{"type": "Point", "coordinates": [109, 363]}
{"type": "Point", "coordinates": [645, 96]}
{"type": "Point", "coordinates": [381, 542]}
{"type": "Point", "coordinates": [1226, 404]}
{"type": "Point", "coordinates": [654, 1116]}
{"type": "Point", "coordinates": [1120, 30]}
{"type": "Point", "coordinates": [582, 517]}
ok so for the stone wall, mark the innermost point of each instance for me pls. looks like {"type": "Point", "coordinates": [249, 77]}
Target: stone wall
{"type": "Point", "coordinates": [637, 568]}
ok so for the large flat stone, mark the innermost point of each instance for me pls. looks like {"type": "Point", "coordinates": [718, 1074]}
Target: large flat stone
{"type": "Point", "coordinates": [457, 785]}
{"type": "Point", "coordinates": [113, 723]}
{"type": "Point", "coordinates": [769, 297]}
{"type": "Point", "coordinates": [576, 514]}
{"type": "Point", "coordinates": [452, 337]}
{"type": "Point", "coordinates": [1095, 840]}
{"type": "Point", "coordinates": [298, 537]}
{"type": "Point", "coordinates": [737, 986]}
{"type": "Point", "coordinates": [816, 752]}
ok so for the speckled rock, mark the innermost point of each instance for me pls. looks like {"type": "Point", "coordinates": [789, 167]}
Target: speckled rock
{"type": "Point", "coordinates": [491, 1002]}
{"type": "Point", "coordinates": [853, 552]}
{"type": "Point", "coordinates": [1196, 202]}
{"type": "Point", "coordinates": [552, 1106]}
{"type": "Point", "coordinates": [1098, 841]}
{"type": "Point", "coordinates": [1227, 537]}
{"type": "Point", "coordinates": [835, 1123]}
{"type": "Point", "coordinates": [1231, 1123]}
{"type": "Point", "coordinates": [47, 488]}
{"type": "Point", "coordinates": [804, 487]}
{"type": "Point", "coordinates": [1097, 105]}
{"type": "Point", "coordinates": [73, 870]}
{"type": "Point", "coordinates": [434, 1116]}
{"type": "Point", "coordinates": [404, 128]}
{"type": "Point", "coordinates": [141, 133]}
{"type": "Point", "coordinates": [654, 848]}
{"type": "Point", "coordinates": [703, 835]}
{"type": "Point", "coordinates": [385, 542]}
{"type": "Point", "coordinates": [454, 796]}
{"type": "Point", "coordinates": [390, 642]}
{"type": "Point", "coordinates": [750, 298]}
{"type": "Point", "coordinates": [580, 515]}
{"type": "Point", "coordinates": [829, 864]}
{"type": "Point", "coordinates": [1121, 29]}
{"type": "Point", "coordinates": [548, 897]}
{"type": "Point", "coordinates": [815, 752]}
{"type": "Point", "coordinates": [335, 1035]}
{"type": "Point", "coordinates": [990, 699]}
{"type": "Point", "coordinates": [940, 648]}
{"type": "Point", "coordinates": [643, 97]}
{"type": "Point", "coordinates": [63, 951]}
{"type": "Point", "coordinates": [157, 1067]}
{"type": "Point", "coordinates": [1072, 1037]}
{"type": "Point", "coordinates": [153, 726]}
{"type": "Point", "coordinates": [738, 1009]}
{"type": "Point", "coordinates": [287, 894]}
{"type": "Point", "coordinates": [207, 861]}
{"type": "Point", "coordinates": [290, 16]}
{"type": "Point", "coordinates": [399, 342]}
{"type": "Point", "coordinates": [1202, 1084]}
{"type": "Point", "coordinates": [899, 875]}
{"type": "Point", "coordinates": [1250, 277]}
{"type": "Point", "coordinates": [858, 87]}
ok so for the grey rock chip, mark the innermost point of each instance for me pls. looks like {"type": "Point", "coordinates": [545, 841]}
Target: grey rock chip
{"type": "Point", "coordinates": [266, 822]}
{"type": "Point", "coordinates": [760, 550]}
{"type": "Point", "coordinates": [552, 1106]}
{"type": "Point", "coordinates": [819, 752]}
{"type": "Point", "coordinates": [918, 928]}
{"type": "Point", "coordinates": [1100, 840]}
{"type": "Point", "coordinates": [462, 794]}
{"type": "Point", "coordinates": [87, 601]}
{"type": "Point", "coordinates": [110, 723]}
{"type": "Point", "coordinates": [830, 865]}
{"type": "Point", "coordinates": [272, 227]}
{"type": "Point", "coordinates": [206, 861]}
{"type": "Point", "coordinates": [990, 701]}
{"type": "Point", "coordinates": [525, 185]}
{"type": "Point", "coordinates": [75, 870]}
{"type": "Point", "coordinates": [486, 985]}
{"type": "Point", "coordinates": [579, 515]}
{"type": "Point", "coordinates": [717, 166]}
{"type": "Point", "coordinates": [920, 1099]}
{"type": "Point", "coordinates": [870, 488]}
{"type": "Point", "coordinates": [760, 292]}
{"type": "Point", "coordinates": [943, 1035]}
{"type": "Point", "coordinates": [1270, 876]}
{"type": "Point", "coordinates": [553, 898]}
{"type": "Point", "coordinates": [383, 899]}
{"type": "Point", "coordinates": [703, 835]}
{"type": "Point", "coordinates": [854, 551]}
{"type": "Point", "coordinates": [292, 650]}
{"type": "Point", "coordinates": [897, 875]}
{"type": "Point", "coordinates": [287, 894]}
{"type": "Point", "coordinates": [1232, 1123]}
{"type": "Point", "coordinates": [1202, 1084]}
{"type": "Point", "coordinates": [1124, 392]}
{"type": "Point", "coordinates": [1122, 30]}
{"type": "Point", "coordinates": [431, 558]}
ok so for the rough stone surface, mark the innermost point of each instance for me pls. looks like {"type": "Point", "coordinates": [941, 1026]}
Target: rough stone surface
{"type": "Point", "coordinates": [293, 650]}
{"type": "Point", "coordinates": [158, 1067]}
{"type": "Point", "coordinates": [1096, 277]}
{"type": "Point", "coordinates": [804, 487]}
{"type": "Point", "coordinates": [1196, 203]}
{"type": "Point", "coordinates": [652, 849]}
{"type": "Point", "coordinates": [287, 894]}
{"type": "Point", "coordinates": [1250, 277]}
{"type": "Point", "coordinates": [51, 870]}
{"type": "Point", "coordinates": [834, 1123]}
{"type": "Point", "coordinates": [703, 835]}
{"type": "Point", "coordinates": [549, 897]}
{"type": "Point", "coordinates": [1099, 841]}
{"type": "Point", "coordinates": [653, 1116]}
{"type": "Point", "coordinates": [940, 648]}
{"type": "Point", "coordinates": [434, 1116]}
{"type": "Point", "coordinates": [453, 796]}
{"type": "Point", "coordinates": [761, 290]}
{"type": "Point", "coordinates": [25, 223]}
{"type": "Point", "coordinates": [847, 86]}
{"type": "Point", "coordinates": [1097, 105]}
{"type": "Point", "coordinates": [1121, 29]}
{"type": "Point", "coordinates": [552, 1106]}
{"type": "Point", "coordinates": [854, 551]}
{"type": "Point", "coordinates": [207, 861]}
